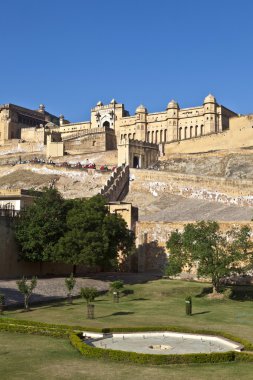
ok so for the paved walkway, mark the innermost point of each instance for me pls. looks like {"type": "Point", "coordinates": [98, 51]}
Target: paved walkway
{"type": "Point", "coordinates": [54, 288]}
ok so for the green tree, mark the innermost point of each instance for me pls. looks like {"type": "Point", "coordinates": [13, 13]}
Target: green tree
{"type": "Point", "coordinates": [215, 254]}
{"type": "Point", "coordinates": [94, 237]}
{"type": "Point", "coordinates": [41, 225]}
{"type": "Point", "coordinates": [89, 294]}
{"type": "Point", "coordinates": [70, 284]}
{"type": "Point", "coordinates": [26, 289]}
{"type": "Point", "coordinates": [115, 288]}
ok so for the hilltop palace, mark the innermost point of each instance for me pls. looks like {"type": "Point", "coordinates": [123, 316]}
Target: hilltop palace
{"type": "Point", "coordinates": [140, 138]}
{"type": "Point", "coordinates": [131, 143]}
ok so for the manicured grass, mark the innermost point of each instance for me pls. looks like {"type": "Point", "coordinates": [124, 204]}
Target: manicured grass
{"type": "Point", "coordinates": [157, 303]}
{"type": "Point", "coordinates": [38, 357]}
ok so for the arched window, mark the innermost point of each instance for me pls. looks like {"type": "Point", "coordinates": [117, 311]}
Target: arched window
{"type": "Point", "coordinates": [165, 135]}
{"type": "Point", "coordinates": [133, 136]}
{"type": "Point", "coordinates": [185, 133]}
{"type": "Point", "coordinates": [191, 128]}
{"type": "Point", "coordinates": [106, 124]}
{"type": "Point", "coordinates": [156, 137]}
{"type": "Point", "coordinates": [161, 136]}
{"type": "Point", "coordinates": [202, 130]}
{"type": "Point", "coordinates": [196, 130]}
{"type": "Point", "coordinates": [148, 137]}
{"type": "Point", "coordinates": [152, 137]}
{"type": "Point", "coordinates": [180, 134]}
{"type": "Point", "coordinates": [129, 135]}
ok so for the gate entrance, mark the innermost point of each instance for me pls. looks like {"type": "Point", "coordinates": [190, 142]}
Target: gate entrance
{"type": "Point", "coordinates": [136, 162]}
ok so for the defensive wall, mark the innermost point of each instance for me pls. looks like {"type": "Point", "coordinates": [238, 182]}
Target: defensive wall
{"type": "Point", "coordinates": [239, 135]}
{"type": "Point", "coordinates": [33, 134]}
{"type": "Point", "coordinates": [151, 240]}
{"type": "Point", "coordinates": [217, 189]}
{"type": "Point", "coordinates": [96, 140]}
{"type": "Point", "coordinates": [137, 154]}
{"type": "Point", "coordinates": [117, 185]}
{"type": "Point", "coordinates": [11, 265]}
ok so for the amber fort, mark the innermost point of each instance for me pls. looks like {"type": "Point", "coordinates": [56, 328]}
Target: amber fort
{"type": "Point", "coordinates": [158, 170]}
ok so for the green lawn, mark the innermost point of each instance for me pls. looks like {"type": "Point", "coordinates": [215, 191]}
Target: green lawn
{"type": "Point", "coordinates": [156, 303]}
{"type": "Point", "coordinates": [39, 357]}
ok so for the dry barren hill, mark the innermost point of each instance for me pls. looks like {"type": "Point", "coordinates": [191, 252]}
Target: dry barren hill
{"type": "Point", "coordinates": [213, 186]}
{"type": "Point", "coordinates": [72, 183]}
{"type": "Point", "coordinates": [237, 164]}
{"type": "Point", "coordinates": [169, 208]}
{"type": "Point", "coordinates": [181, 187]}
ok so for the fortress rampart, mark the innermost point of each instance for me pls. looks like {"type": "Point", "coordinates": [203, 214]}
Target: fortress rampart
{"type": "Point", "coordinates": [227, 191]}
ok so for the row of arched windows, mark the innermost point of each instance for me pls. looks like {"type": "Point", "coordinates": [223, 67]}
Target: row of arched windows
{"type": "Point", "coordinates": [160, 136]}
{"type": "Point", "coordinates": [129, 136]}
{"type": "Point", "coordinates": [189, 132]}
{"type": "Point", "coordinates": [157, 137]}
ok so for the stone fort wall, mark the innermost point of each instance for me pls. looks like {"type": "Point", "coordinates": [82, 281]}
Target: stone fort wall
{"type": "Point", "coordinates": [151, 238]}
{"type": "Point", "coordinates": [239, 135]}
{"type": "Point", "coordinates": [10, 264]}
{"type": "Point", "coordinates": [216, 189]}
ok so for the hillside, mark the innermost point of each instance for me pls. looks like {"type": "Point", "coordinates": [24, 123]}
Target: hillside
{"type": "Point", "coordinates": [238, 164]}
{"type": "Point", "coordinates": [72, 183]}
{"type": "Point", "coordinates": [214, 186]}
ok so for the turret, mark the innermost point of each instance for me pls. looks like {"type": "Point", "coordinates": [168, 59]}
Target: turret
{"type": "Point", "coordinates": [141, 122]}
{"type": "Point", "coordinates": [210, 106]}
{"type": "Point", "coordinates": [172, 119]}
{"type": "Point", "coordinates": [42, 108]}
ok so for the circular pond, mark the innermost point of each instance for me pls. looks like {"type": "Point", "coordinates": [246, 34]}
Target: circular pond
{"type": "Point", "coordinates": [161, 342]}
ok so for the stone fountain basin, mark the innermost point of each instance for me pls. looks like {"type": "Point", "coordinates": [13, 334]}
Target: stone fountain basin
{"type": "Point", "coordinates": [161, 342]}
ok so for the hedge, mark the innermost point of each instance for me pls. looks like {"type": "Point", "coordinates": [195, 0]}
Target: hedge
{"type": "Point", "coordinates": [74, 333]}
{"type": "Point", "coordinates": [139, 358]}
{"type": "Point", "coordinates": [34, 330]}
{"type": "Point", "coordinates": [21, 322]}
{"type": "Point", "coordinates": [247, 345]}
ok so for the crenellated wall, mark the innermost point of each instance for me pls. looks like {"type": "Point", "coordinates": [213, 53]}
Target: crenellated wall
{"type": "Point", "coordinates": [117, 185]}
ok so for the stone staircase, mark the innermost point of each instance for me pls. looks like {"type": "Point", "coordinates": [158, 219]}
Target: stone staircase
{"type": "Point", "coordinates": [117, 186]}
{"type": "Point", "coordinates": [75, 135]}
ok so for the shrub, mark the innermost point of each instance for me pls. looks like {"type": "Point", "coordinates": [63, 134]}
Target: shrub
{"type": "Point", "coordinates": [89, 294]}
{"type": "Point", "coordinates": [70, 284]}
{"type": "Point", "coordinates": [116, 286]}
{"type": "Point", "coordinates": [26, 289]}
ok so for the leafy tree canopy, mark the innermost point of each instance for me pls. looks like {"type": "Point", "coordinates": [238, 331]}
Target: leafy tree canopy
{"type": "Point", "coordinates": [214, 253]}
{"type": "Point", "coordinates": [74, 232]}
{"type": "Point", "coordinates": [40, 226]}
{"type": "Point", "coordinates": [94, 236]}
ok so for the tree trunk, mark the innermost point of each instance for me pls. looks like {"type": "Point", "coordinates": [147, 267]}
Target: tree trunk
{"type": "Point", "coordinates": [74, 269]}
{"type": "Point", "coordinates": [26, 301]}
{"type": "Point", "coordinates": [90, 311]}
{"type": "Point", "coordinates": [70, 300]}
{"type": "Point", "coordinates": [216, 286]}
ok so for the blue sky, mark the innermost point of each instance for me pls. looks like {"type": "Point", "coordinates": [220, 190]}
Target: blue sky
{"type": "Point", "coordinates": [70, 54]}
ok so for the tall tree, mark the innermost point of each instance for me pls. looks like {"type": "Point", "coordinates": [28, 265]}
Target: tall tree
{"type": "Point", "coordinates": [41, 225]}
{"type": "Point", "coordinates": [214, 253]}
{"type": "Point", "coordinates": [94, 236]}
